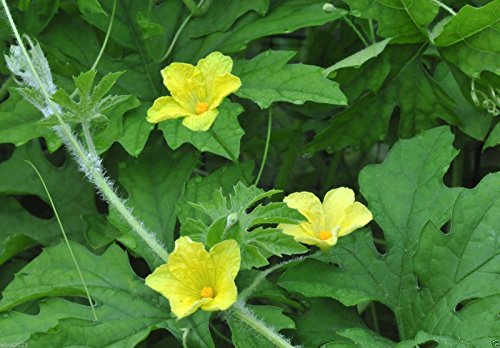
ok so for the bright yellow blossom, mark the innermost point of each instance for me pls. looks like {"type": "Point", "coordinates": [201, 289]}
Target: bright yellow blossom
{"type": "Point", "coordinates": [196, 91]}
{"type": "Point", "coordinates": [193, 278]}
{"type": "Point", "coordinates": [337, 216]}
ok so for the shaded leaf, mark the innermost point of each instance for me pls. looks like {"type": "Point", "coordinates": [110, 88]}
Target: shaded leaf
{"type": "Point", "coordinates": [405, 20]}
{"type": "Point", "coordinates": [470, 39]}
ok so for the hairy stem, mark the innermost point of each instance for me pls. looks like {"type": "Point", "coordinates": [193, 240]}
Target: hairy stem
{"type": "Point", "coordinates": [245, 294]}
{"type": "Point", "coordinates": [85, 161]}
{"type": "Point", "coordinates": [245, 316]}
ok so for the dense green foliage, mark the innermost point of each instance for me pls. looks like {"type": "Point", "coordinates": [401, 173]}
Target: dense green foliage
{"type": "Point", "coordinates": [397, 99]}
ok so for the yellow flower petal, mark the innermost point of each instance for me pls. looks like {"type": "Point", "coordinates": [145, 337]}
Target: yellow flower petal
{"type": "Point", "coordinates": [186, 84]}
{"type": "Point", "coordinates": [165, 108]}
{"type": "Point", "coordinates": [191, 263]}
{"type": "Point", "coordinates": [335, 203]}
{"type": "Point", "coordinates": [183, 299]}
{"type": "Point", "coordinates": [226, 258]}
{"type": "Point", "coordinates": [193, 278]}
{"type": "Point", "coordinates": [215, 64]}
{"type": "Point", "coordinates": [308, 205]}
{"type": "Point", "coordinates": [223, 86]}
{"type": "Point", "coordinates": [303, 233]}
{"type": "Point", "coordinates": [202, 122]}
{"type": "Point", "coordinates": [225, 294]}
{"type": "Point", "coordinates": [356, 216]}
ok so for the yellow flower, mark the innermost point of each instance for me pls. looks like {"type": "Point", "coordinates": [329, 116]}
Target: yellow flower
{"type": "Point", "coordinates": [196, 91]}
{"type": "Point", "coordinates": [337, 216]}
{"type": "Point", "coordinates": [194, 278]}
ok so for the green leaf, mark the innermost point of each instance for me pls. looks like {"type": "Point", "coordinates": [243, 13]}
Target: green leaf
{"type": "Point", "coordinates": [72, 195]}
{"type": "Point", "coordinates": [323, 320]}
{"type": "Point", "coordinates": [111, 283]}
{"type": "Point", "coordinates": [361, 338]}
{"type": "Point", "coordinates": [199, 329]}
{"type": "Point", "coordinates": [51, 311]}
{"type": "Point", "coordinates": [201, 189]}
{"type": "Point", "coordinates": [439, 283]}
{"type": "Point", "coordinates": [221, 15]}
{"type": "Point", "coordinates": [20, 122]}
{"type": "Point", "coordinates": [405, 20]}
{"type": "Point", "coordinates": [90, 7]}
{"type": "Point", "coordinates": [135, 130]}
{"type": "Point", "coordinates": [232, 218]}
{"type": "Point", "coordinates": [272, 315]}
{"type": "Point", "coordinates": [359, 58]}
{"type": "Point", "coordinates": [268, 78]}
{"type": "Point", "coordinates": [154, 183]}
{"type": "Point", "coordinates": [470, 39]}
{"type": "Point", "coordinates": [145, 35]}
{"type": "Point", "coordinates": [421, 101]}
{"type": "Point", "coordinates": [244, 335]}
{"type": "Point", "coordinates": [472, 121]}
{"type": "Point", "coordinates": [285, 17]}
{"type": "Point", "coordinates": [223, 138]}
{"type": "Point", "coordinates": [493, 138]}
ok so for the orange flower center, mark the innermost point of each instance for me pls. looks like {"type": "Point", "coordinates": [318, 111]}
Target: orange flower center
{"type": "Point", "coordinates": [324, 235]}
{"type": "Point", "coordinates": [201, 107]}
{"type": "Point", "coordinates": [207, 292]}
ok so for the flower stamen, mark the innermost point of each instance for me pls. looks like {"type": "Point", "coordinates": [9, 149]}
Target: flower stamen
{"type": "Point", "coordinates": [201, 107]}
{"type": "Point", "coordinates": [207, 292]}
{"type": "Point", "coordinates": [324, 235]}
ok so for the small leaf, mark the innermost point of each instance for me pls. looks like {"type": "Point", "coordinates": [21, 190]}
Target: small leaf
{"type": "Point", "coordinates": [104, 86]}
{"type": "Point", "coordinates": [358, 58]}
{"type": "Point", "coordinates": [229, 217]}
{"type": "Point", "coordinates": [493, 138]}
{"type": "Point", "coordinates": [84, 83]}
{"type": "Point", "coordinates": [470, 39]}
{"type": "Point", "coordinates": [90, 7]}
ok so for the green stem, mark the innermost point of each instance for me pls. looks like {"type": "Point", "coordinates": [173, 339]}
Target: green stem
{"type": "Point", "coordinates": [332, 170]}
{"type": "Point", "coordinates": [355, 29]}
{"type": "Point", "coordinates": [288, 161]}
{"type": "Point", "coordinates": [282, 300]}
{"type": "Point", "coordinates": [245, 316]}
{"type": "Point", "coordinates": [444, 6]}
{"type": "Point", "coordinates": [193, 7]}
{"type": "Point", "coordinates": [106, 38]}
{"type": "Point", "coordinates": [220, 334]}
{"type": "Point", "coordinates": [372, 31]}
{"type": "Point", "coordinates": [93, 173]}
{"type": "Point", "coordinates": [5, 87]}
{"type": "Point", "coordinates": [374, 318]}
{"type": "Point", "coordinates": [457, 173]}
{"type": "Point", "coordinates": [88, 139]}
{"type": "Point", "coordinates": [245, 294]}
{"type": "Point", "coordinates": [65, 239]}
{"type": "Point", "coordinates": [266, 147]}
{"type": "Point", "coordinates": [178, 33]}
{"type": "Point", "coordinates": [380, 241]}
